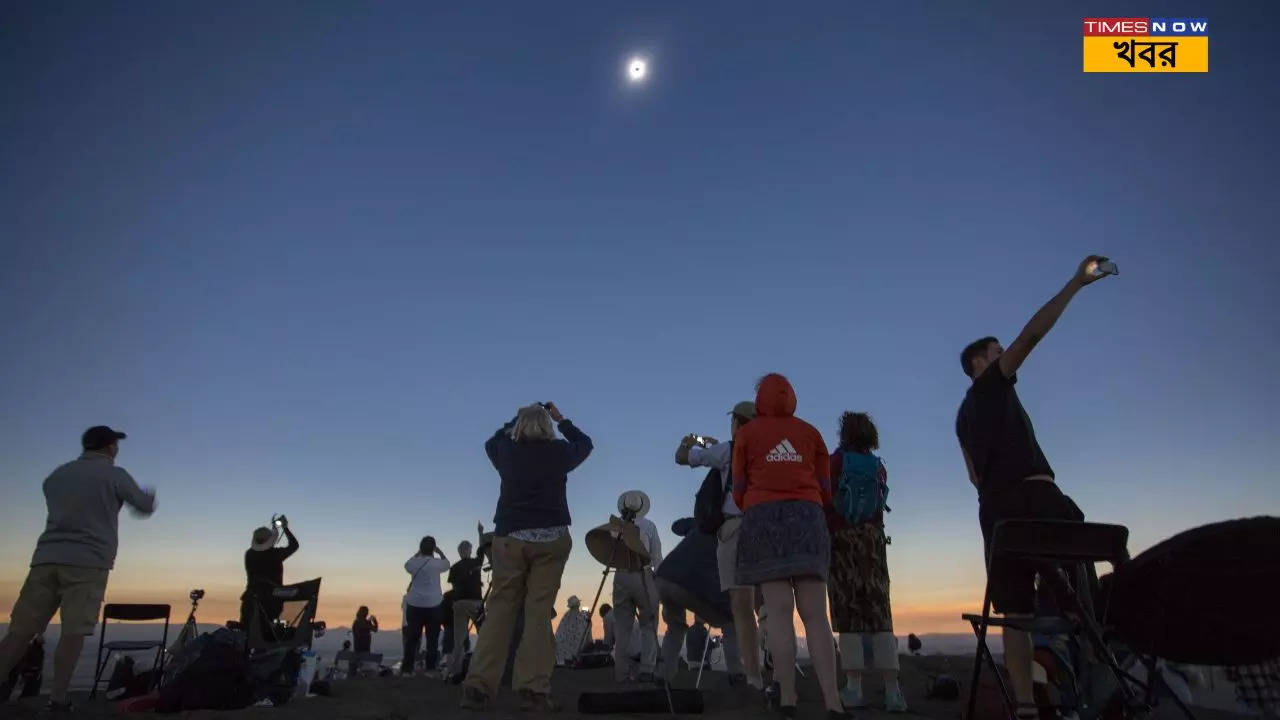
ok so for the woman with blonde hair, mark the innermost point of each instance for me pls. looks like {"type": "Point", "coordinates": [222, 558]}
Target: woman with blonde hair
{"type": "Point", "coordinates": [530, 547]}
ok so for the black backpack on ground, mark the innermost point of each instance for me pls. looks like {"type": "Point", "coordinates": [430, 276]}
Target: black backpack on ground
{"type": "Point", "coordinates": [708, 504]}
{"type": "Point", "coordinates": [208, 673]}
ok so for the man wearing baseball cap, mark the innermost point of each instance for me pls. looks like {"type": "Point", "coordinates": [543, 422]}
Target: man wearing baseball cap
{"type": "Point", "coordinates": [74, 555]}
{"type": "Point", "coordinates": [711, 453]}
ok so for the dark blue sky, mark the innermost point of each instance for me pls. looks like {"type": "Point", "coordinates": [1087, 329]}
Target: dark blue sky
{"type": "Point", "coordinates": [310, 255]}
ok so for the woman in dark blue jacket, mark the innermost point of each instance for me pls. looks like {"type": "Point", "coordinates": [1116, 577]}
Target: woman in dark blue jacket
{"type": "Point", "coordinates": [530, 547]}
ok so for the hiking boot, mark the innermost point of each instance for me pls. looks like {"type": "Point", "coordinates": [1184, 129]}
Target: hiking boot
{"type": "Point", "coordinates": [473, 699]}
{"type": "Point", "coordinates": [531, 701]}
{"type": "Point", "coordinates": [894, 702]}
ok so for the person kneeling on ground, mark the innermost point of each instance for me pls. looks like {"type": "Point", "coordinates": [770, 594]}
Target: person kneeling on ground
{"type": "Point", "coordinates": [530, 548]}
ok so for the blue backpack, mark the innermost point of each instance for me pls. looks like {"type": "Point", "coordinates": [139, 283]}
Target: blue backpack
{"type": "Point", "coordinates": [860, 491]}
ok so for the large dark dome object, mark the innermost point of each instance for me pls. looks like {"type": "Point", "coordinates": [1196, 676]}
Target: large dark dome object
{"type": "Point", "coordinates": [1206, 596]}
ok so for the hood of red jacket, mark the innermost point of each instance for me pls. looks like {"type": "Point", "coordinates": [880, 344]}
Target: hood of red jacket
{"type": "Point", "coordinates": [775, 397]}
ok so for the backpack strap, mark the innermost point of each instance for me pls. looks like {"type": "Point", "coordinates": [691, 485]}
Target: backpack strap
{"type": "Point", "coordinates": [727, 482]}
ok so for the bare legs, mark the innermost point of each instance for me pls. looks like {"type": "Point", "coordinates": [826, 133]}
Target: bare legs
{"type": "Point", "coordinates": [782, 599]}
{"type": "Point", "coordinates": [743, 604]}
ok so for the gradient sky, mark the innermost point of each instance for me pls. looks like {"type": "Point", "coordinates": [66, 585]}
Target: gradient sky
{"type": "Point", "coordinates": [310, 255]}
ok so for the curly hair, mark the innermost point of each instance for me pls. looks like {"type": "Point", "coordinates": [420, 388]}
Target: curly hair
{"type": "Point", "coordinates": [858, 433]}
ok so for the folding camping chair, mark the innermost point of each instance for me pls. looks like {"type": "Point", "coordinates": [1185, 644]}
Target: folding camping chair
{"type": "Point", "coordinates": [1054, 546]}
{"type": "Point", "coordinates": [297, 618]}
{"type": "Point", "coordinates": [130, 613]}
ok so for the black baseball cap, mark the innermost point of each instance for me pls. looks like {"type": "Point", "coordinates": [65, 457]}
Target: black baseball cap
{"type": "Point", "coordinates": [99, 436]}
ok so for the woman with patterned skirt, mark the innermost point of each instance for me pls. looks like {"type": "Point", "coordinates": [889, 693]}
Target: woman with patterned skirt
{"type": "Point", "coordinates": [858, 585]}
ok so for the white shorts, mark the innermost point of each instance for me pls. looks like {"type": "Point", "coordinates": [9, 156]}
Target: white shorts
{"type": "Point", "coordinates": [727, 552]}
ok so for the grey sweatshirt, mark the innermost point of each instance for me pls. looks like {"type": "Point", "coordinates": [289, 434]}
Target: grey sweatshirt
{"type": "Point", "coordinates": [84, 498]}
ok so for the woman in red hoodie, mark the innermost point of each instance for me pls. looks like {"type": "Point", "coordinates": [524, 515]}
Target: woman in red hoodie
{"type": "Point", "coordinates": [782, 481]}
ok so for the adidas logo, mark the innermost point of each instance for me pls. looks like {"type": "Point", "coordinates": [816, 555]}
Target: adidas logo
{"type": "Point", "coordinates": [784, 453]}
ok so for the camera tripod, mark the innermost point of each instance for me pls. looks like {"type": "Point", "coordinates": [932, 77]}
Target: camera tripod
{"type": "Point", "coordinates": [190, 630]}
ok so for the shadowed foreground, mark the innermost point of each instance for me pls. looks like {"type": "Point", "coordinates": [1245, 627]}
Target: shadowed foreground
{"type": "Point", "coordinates": [396, 698]}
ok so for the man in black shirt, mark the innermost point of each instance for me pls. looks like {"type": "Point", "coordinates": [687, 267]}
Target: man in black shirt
{"type": "Point", "coordinates": [464, 578]}
{"type": "Point", "coordinates": [1008, 468]}
{"type": "Point", "coordinates": [264, 569]}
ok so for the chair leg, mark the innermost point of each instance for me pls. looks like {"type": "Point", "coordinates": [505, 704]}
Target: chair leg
{"type": "Point", "coordinates": [98, 664]}
{"type": "Point", "coordinates": [982, 655]}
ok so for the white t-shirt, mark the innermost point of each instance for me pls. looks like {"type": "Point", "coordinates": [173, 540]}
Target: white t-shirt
{"type": "Point", "coordinates": [424, 590]}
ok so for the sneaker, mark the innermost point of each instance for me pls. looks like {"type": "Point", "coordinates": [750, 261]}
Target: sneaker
{"type": "Point", "coordinates": [531, 701]}
{"type": "Point", "coordinates": [894, 702]}
{"type": "Point", "coordinates": [646, 678]}
{"type": "Point", "coordinates": [787, 711]}
{"type": "Point", "coordinates": [55, 708]}
{"type": "Point", "coordinates": [473, 699]}
{"type": "Point", "coordinates": [839, 715]}
{"type": "Point", "coordinates": [852, 698]}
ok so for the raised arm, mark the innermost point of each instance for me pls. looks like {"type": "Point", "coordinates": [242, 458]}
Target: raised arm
{"type": "Point", "coordinates": [491, 445]}
{"type": "Point", "coordinates": [1044, 319]}
{"type": "Point", "coordinates": [579, 444]}
{"type": "Point", "coordinates": [128, 492]}
{"type": "Point", "coordinates": [293, 545]}
{"type": "Point", "coordinates": [716, 456]}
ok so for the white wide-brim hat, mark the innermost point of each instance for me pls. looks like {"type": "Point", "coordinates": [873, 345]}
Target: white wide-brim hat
{"type": "Point", "coordinates": [634, 500]}
{"type": "Point", "coordinates": [272, 538]}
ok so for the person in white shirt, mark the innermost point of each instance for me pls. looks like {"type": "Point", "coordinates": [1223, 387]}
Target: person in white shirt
{"type": "Point", "coordinates": [742, 598]}
{"type": "Point", "coordinates": [423, 604]}
{"type": "Point", "coordinates": [635, 598]}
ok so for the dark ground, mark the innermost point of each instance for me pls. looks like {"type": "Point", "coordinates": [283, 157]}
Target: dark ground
{"type": "Point", "coordinates": [395, 698]}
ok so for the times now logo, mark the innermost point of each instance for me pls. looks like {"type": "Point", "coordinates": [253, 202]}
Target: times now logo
{"type": "Point", "coordinates": [1145, 26]}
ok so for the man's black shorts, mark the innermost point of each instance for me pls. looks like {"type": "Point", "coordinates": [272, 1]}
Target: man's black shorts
{"type": "Point", "coordinates": [1012, 581]}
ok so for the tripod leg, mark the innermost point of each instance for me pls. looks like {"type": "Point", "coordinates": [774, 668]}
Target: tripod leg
{"type": "Point", "coordinates": [653, 605]}
{"type": "Point", "coordinates": [705, 647]}
{"type": "Point", "coordinates": [595, 603]}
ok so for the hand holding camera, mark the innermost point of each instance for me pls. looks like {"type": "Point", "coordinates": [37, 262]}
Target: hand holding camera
{"type": "Point", "coordinates": [1094, 268]}
{"type": "Point", "coordinates": [682, 451]}
{"type": "Point", "coordinates": [551, 408]}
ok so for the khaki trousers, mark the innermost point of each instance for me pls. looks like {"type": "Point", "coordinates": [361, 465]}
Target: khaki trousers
{"type": "Point", "coordinates": [527, 574]}
{"type": "Point", "coordinates": [463, 612]}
